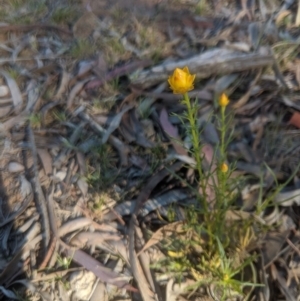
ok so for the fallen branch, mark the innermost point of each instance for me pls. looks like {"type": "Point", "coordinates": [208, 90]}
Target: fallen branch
{"type": "Point", "coordinates": [209, 63]}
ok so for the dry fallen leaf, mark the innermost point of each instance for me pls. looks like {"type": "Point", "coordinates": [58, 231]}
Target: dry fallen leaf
{"type": "Point", "coordinates": [85, 25]}
{"type": "Point", "coordinates": [172, 132]}
{"type": "Point", "coordinates": [162, 233]}
{"type": "Point", "coordinates": [15, 91]}
{"type": "Point", "coordinates": [46, 160]}
{"type": "Point", "coordinates": [114, 123]}
{"type": "Point", "coordinates": [295, 120]}
{"type": "Point", "coordinates": [105, 274]}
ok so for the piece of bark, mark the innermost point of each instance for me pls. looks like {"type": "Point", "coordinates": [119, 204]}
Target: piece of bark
{"type": "Point", "coordinates": [204, 65]}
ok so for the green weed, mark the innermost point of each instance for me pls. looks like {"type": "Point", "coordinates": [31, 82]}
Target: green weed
{"type": "Point", "coordinates": [104, 104]}
{"type": "Point", "coordinates": [13, 73]}
{"type": "Point", "coordinates": [35, 120]}
{"type": "Point", "coordinates": [64, 15]}
{"type": "Point", "coordinates": [102, 172]}
{"type": "Point", "coordinates": [202, 7]}
{"type": "Point", "coordinates": [64, 262]}
{"type": "Point", "coordinates": [218, 259]}
{"type": "Point", "coordinates": [83, 49]}
{"type": "Point", "coordinates": [59, 115]}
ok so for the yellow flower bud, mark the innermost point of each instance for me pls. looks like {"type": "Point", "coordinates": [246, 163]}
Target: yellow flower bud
{"type": "Point", "coordinates": [197, 275]}
{"type": "Point", "coordinates": [223, 101]}
{"type": "Point", "coordinates": [224, 167]}
{"type": "Point", "coordinates": [181, 81]}
{"type": "Point", "coordinates": [175, 254]}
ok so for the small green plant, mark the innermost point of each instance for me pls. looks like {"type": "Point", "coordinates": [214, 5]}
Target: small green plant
{"type": "Point", "coordinates": [202, 7]}
{"type": "Point", "coordinates": [37, 7]}
{"type": "Point", "coordinates": [64, 282]}
{"type": "Point", "coordinates": [116, 46]}
{"type": "Point", "coordinates": [35, 120]}
{"type": "Point", "coordinates": [64, 15]}
{"type": "Point", "coordinates": [16, 4]}
{"type": "Point", "coordinates": [156, 156]}
{"type": "Point", "coordinates": [104, 104]}
{"type": "Point", "coordinates": [59, 115]}
{"type": "Point", "coordinates": [115, 84]}
{"type": "Point", "coordinates": [112, 48]}
{"type": "Point", "coordinates": [13, 73]}
{"type": "Point", "coordinates": [83, 49]}
{"type": "Point", "coordinates": [224, 257]}
{"type": "Point", "coordinates": [104, 174]}
{"type": "Point", "coordinates": [64, 262]}
{"type": "Point", "coordinates": [99, 203]}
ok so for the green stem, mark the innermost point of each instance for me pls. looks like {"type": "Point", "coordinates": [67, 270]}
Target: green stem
{"type": "Point", "coordinates": [192, 117]}
{"type": "Point", "coordinates": [223, 177]}
{"type": "Point", "coordinates": [223, 130]}
{"type": "Point", "coordinates": [194, 132]}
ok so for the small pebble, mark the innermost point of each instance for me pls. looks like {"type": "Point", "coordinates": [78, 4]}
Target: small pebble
{"type": "Point", "coordinates": [15, 167]}
{"type": "Point", "coordinates": [60, 176]}
{"type": "Point", "coordinates": [4, 91]}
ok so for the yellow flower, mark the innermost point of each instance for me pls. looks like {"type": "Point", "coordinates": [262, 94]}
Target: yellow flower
{"type": "Point", "coordinates": [226, 277]}
{"type": "Point", "coordinates": [175, 254]}
{"type": "Point", "coordinates": [224, 167]}
{"type": "Point", "coordinates": [223, 101]}
{"type": "Point", "coordinates": [197, 275]}
{"type": "Point", "coordinates": [181, 81]}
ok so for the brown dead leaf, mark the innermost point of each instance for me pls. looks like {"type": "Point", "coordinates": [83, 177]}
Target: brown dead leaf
{"type": "Point", "coordinates": [73, 225]}
{"type": "Point", "coordinates": [162, 233]}
{"type": "Point", "coordinates": [14, 90]}
{"type": "Point", "coordinates": [295, 120]}
{"type": "Point", "coordinates": [75, 90]}
{"type": "Point", "coordinates": [172, 132]}
{"type": "Point", "coordinates": [81, 162]}
{"type": "Point", "coordinates": [132, 130]}
{"type": "Point", "coordinates": [210, 166]}
{"type": "Point", "coordinates": [245, 98]}
{"type": "Point", "coordinates": [83, 186]}
{"type": "Point", "coordinates": [93, 238]}
{"type": "Point", "coordinates": [274, 241]}
{"type": "Point", "coordinates": [103, 273]}
{"type": "Point", "coordinates": [144, 260]}
{"type": "Point", "coordinates": [281, 16]}
{"type": "Point", "coordinates": [126, 129]}
{"type": "Point", "coordinates": [63, 85]}
{"type": "Point", "coordinates": [115, 122]}
{"type": "Point", "coordinates": [46, 160]}
{"type": "Point", "coordinates": [85, 25]}
{"type": "Point", "coordinates": [282, 283]}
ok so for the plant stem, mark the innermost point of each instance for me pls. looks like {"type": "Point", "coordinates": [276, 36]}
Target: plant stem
{"type": "Point", "coordinates": [191, 115]}
{"type": "Point", "coordinates": [222, 202]}
{"type": "Point", "coordinates": [223, 130]}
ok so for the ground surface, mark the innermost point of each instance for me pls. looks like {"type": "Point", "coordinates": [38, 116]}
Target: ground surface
{"type": "Point", "coordinates": [86, 117]}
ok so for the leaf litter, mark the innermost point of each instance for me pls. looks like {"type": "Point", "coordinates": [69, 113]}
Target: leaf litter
{"type": "Point", "coordinates": [85, 113]}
